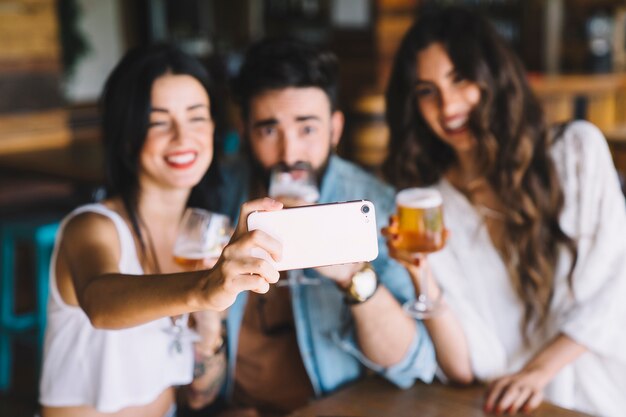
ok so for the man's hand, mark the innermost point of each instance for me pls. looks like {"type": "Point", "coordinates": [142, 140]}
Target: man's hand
{"type": "Point", "coordinates": [341, 274]}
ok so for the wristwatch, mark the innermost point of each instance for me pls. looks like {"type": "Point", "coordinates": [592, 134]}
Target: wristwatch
{"type": "Point", "coordinates": [362, 286]}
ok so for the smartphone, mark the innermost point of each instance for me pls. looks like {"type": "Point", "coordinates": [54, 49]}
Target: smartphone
{"type": "Point", "coordinates": [321, 234]}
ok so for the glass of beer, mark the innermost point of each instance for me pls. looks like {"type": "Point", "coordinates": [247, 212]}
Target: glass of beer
{"type": "Point", "coordinates": [201, 235]}
{"type": "Point", "coordinates": [420, 231]}
{"type": "Point", "coordinates": [294, 185]}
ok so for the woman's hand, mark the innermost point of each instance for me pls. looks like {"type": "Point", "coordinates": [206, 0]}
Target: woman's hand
{"type": "Point", "coordinates": [393, 236]}
{"type": "Point", "coordinates": [521, 391]}
{"type": "Point", "coordinates": [236, 269]}
{"type": "Point", "coordinates": [415, 265]}
{"type": "Point", "coordinates": [406, 259]}
{"type": "Point", "coordinates": [524, 390]}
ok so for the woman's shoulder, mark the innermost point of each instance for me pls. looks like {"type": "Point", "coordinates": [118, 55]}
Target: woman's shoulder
{"type": "Point", "coordinates": [583, 162]}
{"type": "Point", "coordinates": [93, 221]}
{"type": "Point", "coordinates": [582, 145]}
{"type": "Point", "coordinates": [580, 134]}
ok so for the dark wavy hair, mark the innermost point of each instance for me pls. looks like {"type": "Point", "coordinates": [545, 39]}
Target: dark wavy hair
{"type": "Point", "coordinates": [278, 63]}
{"type": "Point", "coordinates": [512, 139]}
{"type": "Point", "coordinates": [125, 107]}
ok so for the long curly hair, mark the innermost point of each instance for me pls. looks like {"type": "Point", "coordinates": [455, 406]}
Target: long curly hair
{"type": "Point", "coordinates": [513, 147]}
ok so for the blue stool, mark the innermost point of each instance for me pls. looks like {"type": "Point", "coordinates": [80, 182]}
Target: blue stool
{"type": "Point", "coordinates": [42, 236]}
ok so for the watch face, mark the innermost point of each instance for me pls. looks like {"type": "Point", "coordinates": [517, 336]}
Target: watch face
{"type": "Point", "coordinates": [365, 283]}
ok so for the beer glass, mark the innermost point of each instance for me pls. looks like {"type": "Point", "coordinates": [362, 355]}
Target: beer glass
{"type": "Point", "coordinates": [293, 185]}
{"type": "Point", "coordinates": [201, 235]}
{"type": "Point", "coordinates": [420, 232]}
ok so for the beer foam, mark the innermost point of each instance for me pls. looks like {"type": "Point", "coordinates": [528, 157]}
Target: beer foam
{"type": "Point", "coordinates": [419, 198]}
{"type": "Point", "coordinates": [304, 192]}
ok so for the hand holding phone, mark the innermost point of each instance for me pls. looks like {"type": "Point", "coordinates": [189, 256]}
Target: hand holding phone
{"type": "Point", "coordinates": [320, 235]}
{"type": "Point", "coordinates": [237, 269]}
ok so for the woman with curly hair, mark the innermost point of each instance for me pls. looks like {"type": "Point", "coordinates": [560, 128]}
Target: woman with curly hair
{"type": "Point", "coordinates": [532, 277]}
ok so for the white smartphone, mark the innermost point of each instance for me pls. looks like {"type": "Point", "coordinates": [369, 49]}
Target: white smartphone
{"type": "Point", "coordinates": [320, 235]}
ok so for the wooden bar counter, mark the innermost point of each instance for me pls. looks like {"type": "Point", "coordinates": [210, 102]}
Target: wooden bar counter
{"type": "Point", "coordinates": [374, 397]}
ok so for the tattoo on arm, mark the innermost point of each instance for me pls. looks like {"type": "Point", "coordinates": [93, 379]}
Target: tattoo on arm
{"type": "Point", "coordinates": [209, 376]}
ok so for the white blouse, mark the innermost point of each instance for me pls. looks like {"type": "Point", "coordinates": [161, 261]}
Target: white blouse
{"type": "Point", "coordinates": [478, 289]}
{"type": "Point", "coordinates": [108, 369]}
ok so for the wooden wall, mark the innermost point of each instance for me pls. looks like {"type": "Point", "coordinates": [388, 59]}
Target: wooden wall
{"type": "Point", "coordinates": [364, 80]}
{"type": "Point", "coordinates": [31, 104]}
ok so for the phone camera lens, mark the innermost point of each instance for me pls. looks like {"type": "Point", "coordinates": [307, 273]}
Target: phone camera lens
{"type": "Point", "coordinates": [365, 209]}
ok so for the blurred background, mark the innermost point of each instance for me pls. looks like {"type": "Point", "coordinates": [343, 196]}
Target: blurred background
{"type": "Point", "coordinates": [56, 54]}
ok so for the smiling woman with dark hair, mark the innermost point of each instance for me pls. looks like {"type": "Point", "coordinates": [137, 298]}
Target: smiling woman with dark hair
{"type": "Point", "coordinates": [117, 341]}
{"type": "Point", "coordinates": [126, 111]}
{"type": "Point", "coordinates": [534, 272]}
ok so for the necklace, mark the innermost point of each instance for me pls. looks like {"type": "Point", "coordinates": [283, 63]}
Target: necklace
{"type": "Point", "coordinates": [179, 331]}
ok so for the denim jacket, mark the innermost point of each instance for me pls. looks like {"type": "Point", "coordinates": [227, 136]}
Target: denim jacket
{"type": "Point", "coordinates": [324, 324]}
